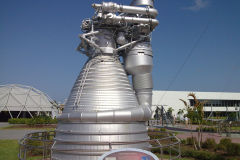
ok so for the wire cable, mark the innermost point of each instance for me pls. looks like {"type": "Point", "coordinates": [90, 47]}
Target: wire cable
{"type": "Point", "coordinates": [185, 61]}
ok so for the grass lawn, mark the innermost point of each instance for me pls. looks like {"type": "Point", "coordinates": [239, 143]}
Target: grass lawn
{"type": "Point", "coordinates": [167, 157]}
{"type": "Point", "coordinates": [236, 128]}
{"type": "Point", "coordinates": [8, 149]}
{"type": "Point", "coordinates": [218, 117]}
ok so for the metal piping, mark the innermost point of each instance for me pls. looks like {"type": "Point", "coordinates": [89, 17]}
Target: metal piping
{"type": "Point", "coordinates": [141, 113]}
{"type": "Point", "coordinates": [83, 37]}
{"type": "Point", "coordinates": [125, 46]}
{"type": "Point", "coordinates": [138, 63]}
{"type": "Point", "coordinates": [112, 19]}
{"type": "Point", "coordinates": [114, 7]}
{"type": "Point", "coordinates": [142, 84]}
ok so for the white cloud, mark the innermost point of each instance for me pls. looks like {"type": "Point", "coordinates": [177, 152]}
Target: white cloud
{"type": "Point", "coordinates": [198, 4]}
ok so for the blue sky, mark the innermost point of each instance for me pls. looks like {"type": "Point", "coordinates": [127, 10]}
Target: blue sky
{"type": "Point", "coordinates": [38, 41]}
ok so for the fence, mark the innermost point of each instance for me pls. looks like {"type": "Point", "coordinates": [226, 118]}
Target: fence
{"type": "Point", "coordinates": [38, 144]}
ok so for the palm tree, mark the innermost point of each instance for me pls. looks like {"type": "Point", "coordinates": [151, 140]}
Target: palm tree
{"type": "Point", "coordinates": [195, 114]}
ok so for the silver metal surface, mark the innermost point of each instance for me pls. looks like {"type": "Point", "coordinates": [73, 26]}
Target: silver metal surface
{"type": "Point", "coordinates": [138, 63]}
{"type": "Point", "coordinates": [114, 7]}
{"type": "Point", "coordinates": [114, 19]}
{"type": "Point", "coordinates": [103, 108]}
{"type": "Point", "coordinates": [142, 3]}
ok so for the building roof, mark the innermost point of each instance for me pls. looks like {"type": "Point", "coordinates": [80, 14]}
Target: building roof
{"type": "Point", "coordinates": [15, 97]}
{"type": "Point", "coordinates": [172, 99]}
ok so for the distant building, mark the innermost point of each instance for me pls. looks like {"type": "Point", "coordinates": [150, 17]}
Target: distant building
{"type": "Point", "coordinates": [217, 103]}
{"type": "Point", "coordinates": [24, 101]}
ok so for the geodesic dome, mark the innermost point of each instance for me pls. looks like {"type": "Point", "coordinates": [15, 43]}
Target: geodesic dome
{"type": "Point", "coordinates": [16, 99]}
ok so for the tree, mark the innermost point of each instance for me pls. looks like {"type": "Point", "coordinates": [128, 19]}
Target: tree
{"type": "Point", "coordinates": [170, 115]}
{"type": "Point", "coordinates": [157, 113]}
{"type": "Point", "coordinates": [180, 113]}
{"type": "Point", "coordinates": [170, 110]}
{"type": "Point", "coordinates": [195, 115]}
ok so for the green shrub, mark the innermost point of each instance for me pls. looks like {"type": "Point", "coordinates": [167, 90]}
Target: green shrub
{"type": "Point", "coordinates": [209, 143]}
{"type": "Point", "coordinates": [157, 130]}
{"type": "Point", "coordinates": [157, 133]}
{"type": "Point", "coordinates": [233, 149]}
{"type": "Point", "coordinates": [12, 121]}
{"type": "Point", "coordinates": [155, 150]}
{"type": "Point", "coordinates": [18, 120]}
{"type": "Point", "coordinates": [168, 151]}
{"type": "Point", "coordinates": [33, 121]}
{"type": "Point", "coordinates": [190, 140]}
{"type": "Point", "coordinates": [231, 158]}
{"type": "Point", "coordinates": [208, 129]}
{"type": "Point", "coordinates": [183, 141]}
{"type": "Point", "coordinates": [218, 157]}
{"type": "Point", "coordinates": [225, 141]}
{"type": "Point", "coordinates": [208, 123]}
{"type": "Point", "coordinates": [187, 153]}
{"type": "Point", "coordinates": [165, 151]}
{"type": "Point", "coordinates": [223, 144]}
{"type": "Point", "coordinates": [53, 121]}
{"type": "Point", "coordinates": [199, 155]}
{"type": "Point", "coordinates": [35, 151]}
{"type": "Point", "coordinates": [163, 129]}
{"type": "Point", "coordinates": [203, 155]}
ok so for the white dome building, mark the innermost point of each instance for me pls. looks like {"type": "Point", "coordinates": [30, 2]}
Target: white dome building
{"type": "Point", "coordinates": [24, 101]}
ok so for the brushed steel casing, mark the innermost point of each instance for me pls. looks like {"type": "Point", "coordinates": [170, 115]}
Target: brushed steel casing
{"type": "Point", "coordinates": [106, 88]}
{"type": "Point", "coordinates": [104, 111]}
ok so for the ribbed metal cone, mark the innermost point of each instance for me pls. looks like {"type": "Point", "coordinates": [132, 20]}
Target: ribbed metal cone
{"type": "Point", "coordinates": [101, 85]}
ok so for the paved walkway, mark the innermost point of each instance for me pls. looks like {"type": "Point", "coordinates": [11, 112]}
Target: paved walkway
{"type": "Point", "coordinates": [215, 136]}
{"type": "Point", "coordinates": [3, 124]}
{"type": "Point", "coordinates": [13, 133]}
{"type": "Point", "coordinates": [185, 132]}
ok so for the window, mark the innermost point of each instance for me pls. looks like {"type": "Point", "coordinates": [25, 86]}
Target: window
{"type": "Point", "coordinates": [217, 103]}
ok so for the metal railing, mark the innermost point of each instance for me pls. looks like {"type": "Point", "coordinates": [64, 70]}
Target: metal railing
{"type": "Point", "coordinates": [38, 144]}
{"type": "Point", "coordinates": [166, 142]}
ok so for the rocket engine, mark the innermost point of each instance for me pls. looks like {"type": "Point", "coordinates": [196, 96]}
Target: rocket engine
{"type": "Point", "coordinates": [104, 111]}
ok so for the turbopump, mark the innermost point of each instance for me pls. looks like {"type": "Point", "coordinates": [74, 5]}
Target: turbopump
{"type": "Point", "coordinates": [104, 111]}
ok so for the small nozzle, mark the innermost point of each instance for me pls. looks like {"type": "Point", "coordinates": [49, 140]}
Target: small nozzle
{"type": "Point", "coordinates": [95, 5]}
{"type": "Point", "coordinates": [143, 3]}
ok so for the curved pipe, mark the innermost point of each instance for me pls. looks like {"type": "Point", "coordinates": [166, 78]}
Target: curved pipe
{"type": "Point", "coordinates": [141, 113]}
{"type": "Point", "coordinates": [114, 7]}
{"type": "Point", "coordinates": [125, 46]}
{"type": "Point", "coordinates": [111, 18]}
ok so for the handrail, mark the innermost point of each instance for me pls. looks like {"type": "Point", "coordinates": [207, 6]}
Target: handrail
{"type": "Point", "coordinates": [40, 142]}
{"type": "Point", "coordinates": [46, 140]}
